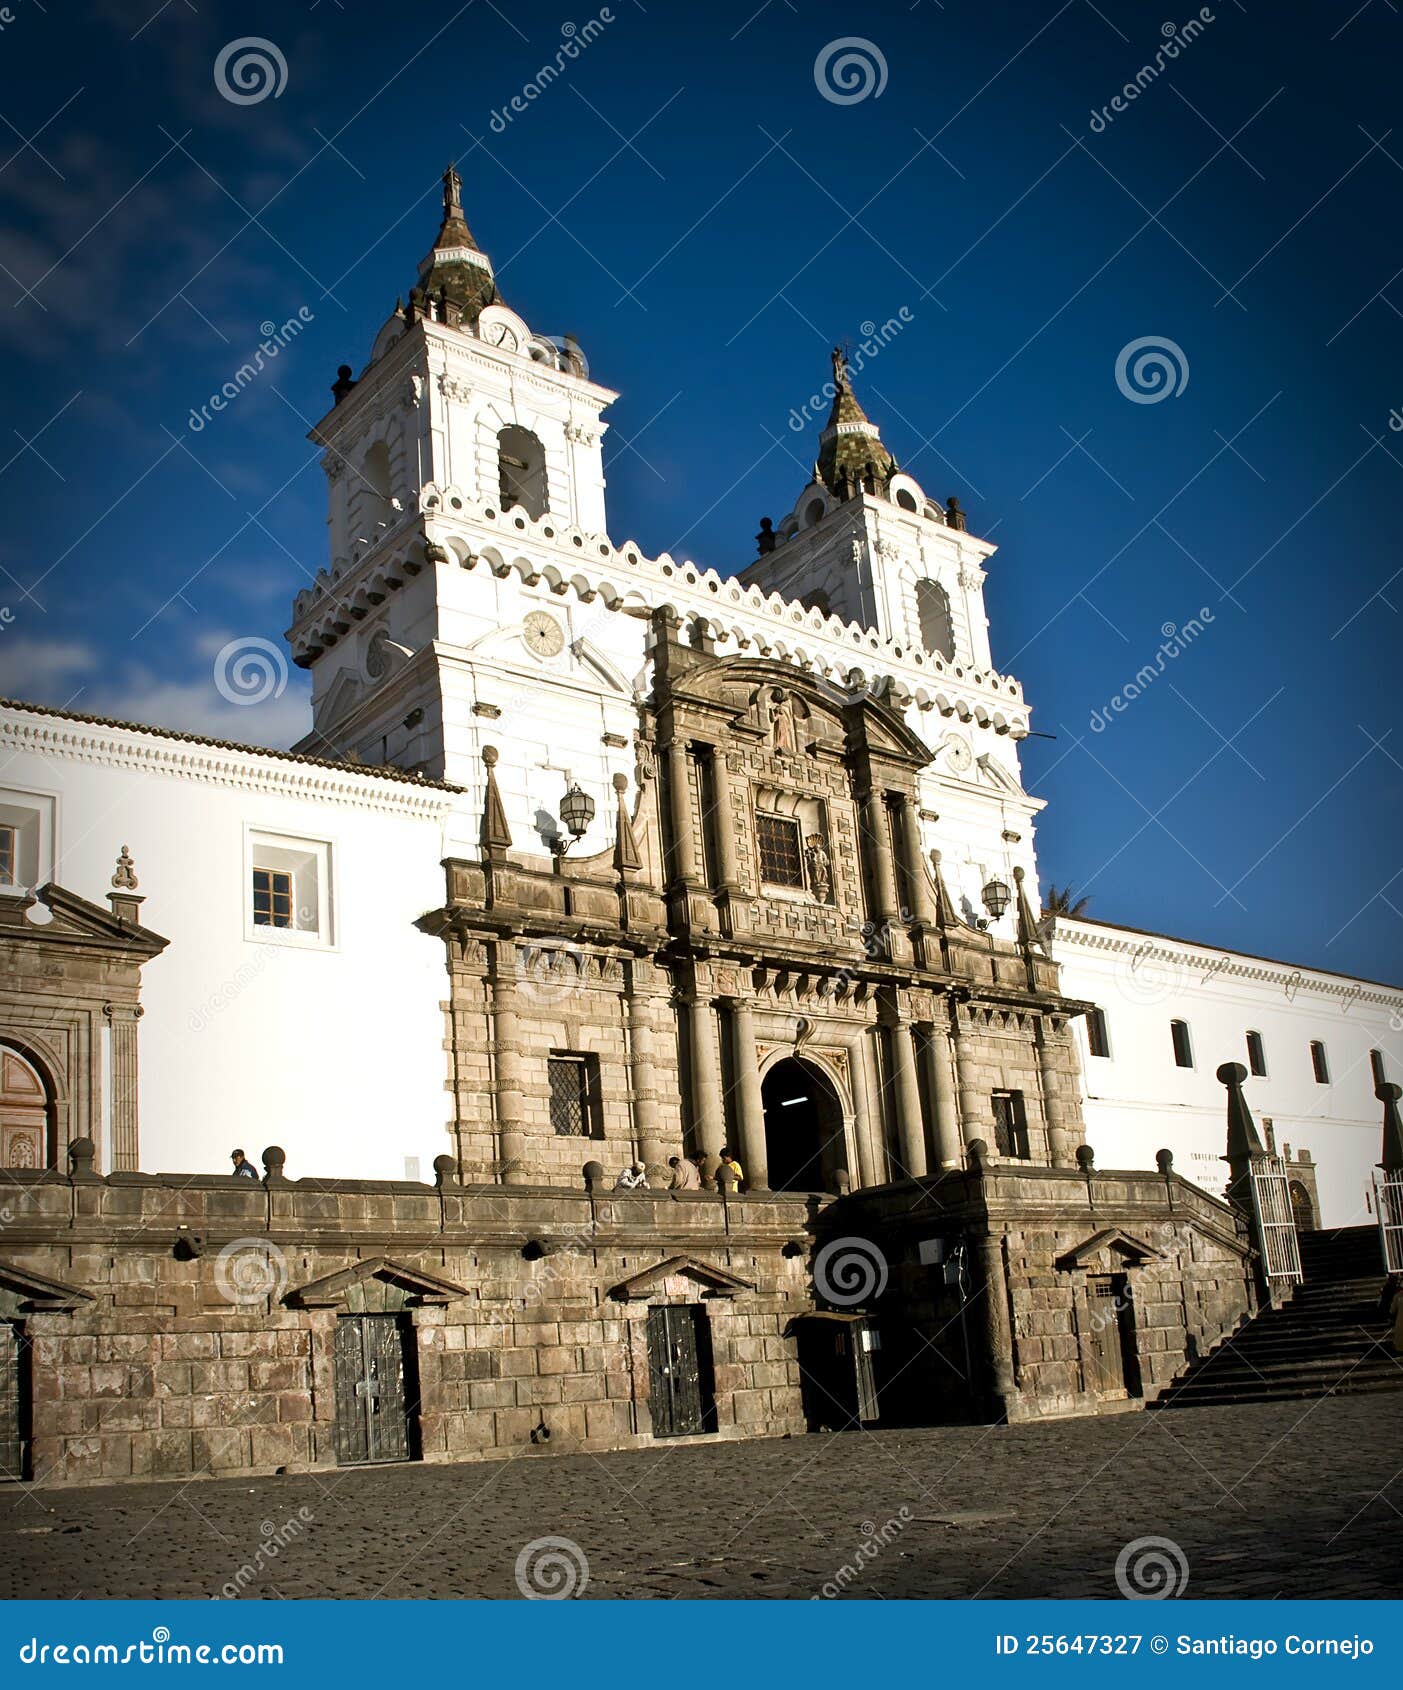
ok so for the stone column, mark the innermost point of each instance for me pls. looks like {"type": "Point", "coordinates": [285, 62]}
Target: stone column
{"type": "Point", "coordinates": [1061, 1136]}
{"type": "Point", "coordinates": [122, 1019]}
{"type": "Point", "coordinates": [754, 1154]}
{"type": "Point", "coordinates": [913, 864]}
{"type": "Point", "coordinates": [708, 1101]}
{"type": "Point", "coordinates": [506, 1068]}
{"type": "Point", "coordinates": [723, 828]}
{"type": "Point", "coordinates": [679, 798]}
{"type": "Point", "coordinates": [975, 1118]}
{"type": "Point", "coordinates": [643, 1081]}
{"type": "Point", "coordinates": [993, 1322]}
{"type": "Point", "coordinates": [870, 1148]}
{"type": "Point", "coordinates": [910, 1123]}
{"type": "Point", "coordinates": [878, 834]}
{"type": "Point", "coordinates": [940, 1079]}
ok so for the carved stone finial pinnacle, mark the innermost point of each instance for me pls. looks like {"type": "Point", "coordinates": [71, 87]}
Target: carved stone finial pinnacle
{"type": "Point", "coordinates": [125, 878]}
{"type": "Point", "coordinates": [452, 193]}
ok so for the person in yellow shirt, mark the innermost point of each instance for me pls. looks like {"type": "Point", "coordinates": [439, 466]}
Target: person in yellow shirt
{"type": "Point", "coordinates": [728, 1160]}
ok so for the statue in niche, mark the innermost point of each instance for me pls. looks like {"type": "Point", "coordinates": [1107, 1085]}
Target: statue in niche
{"type": "Point", "coordinates": [782, 723]}
{"type": "Point", "coordinates": [820, 875]}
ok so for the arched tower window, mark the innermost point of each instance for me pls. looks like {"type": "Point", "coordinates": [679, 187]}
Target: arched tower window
{"type": "Point", "coordinates": [521, 460]}
{"type": "Point", "coordinates": [375, 501]}
{"type": "Point", "coordinates": [933, 611]}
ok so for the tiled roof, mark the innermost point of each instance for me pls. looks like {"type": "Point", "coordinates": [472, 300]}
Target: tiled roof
{"type": "Point", "coordinates": [382, 772]}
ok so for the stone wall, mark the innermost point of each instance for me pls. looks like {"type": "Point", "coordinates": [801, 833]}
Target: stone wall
{"type": "Point", "coordinates": [179, 1327]}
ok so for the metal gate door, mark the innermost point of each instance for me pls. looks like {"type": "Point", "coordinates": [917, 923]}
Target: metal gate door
{"type": "Point", "coordinates": [1388, 1200]}
{"type": "Point", "coordinates": [13, 1451]}
{"type": "Point", "coordinates": [1105, 1370]}
{"type": "Point", "coordinates": [372, 1417]}
{"type": "Point", "coordinates": [679, 1371]}
{"type": "Point", "coordinates": [1276, 1221]}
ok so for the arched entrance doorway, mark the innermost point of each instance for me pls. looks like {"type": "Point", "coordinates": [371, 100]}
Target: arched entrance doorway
{"type": "Point", "coordinates": [1302, 1209]}
{"type": "Point", "coordinates": [804, 1139]}
{"type": "Point", "coordinates": [26, 1114]}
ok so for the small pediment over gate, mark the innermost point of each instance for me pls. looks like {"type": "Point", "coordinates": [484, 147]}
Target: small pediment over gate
{"type": "Point", "coordinates": [1111, 1245]}
{"type": "Point", "coordinates": [25, 1292]}
{"type": "Point", "coordinates": [378, 1286]}
{"type": "Point", "coordinates": [713, 1281]}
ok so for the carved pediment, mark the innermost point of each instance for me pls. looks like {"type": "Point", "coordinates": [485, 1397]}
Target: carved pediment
{"type": "Point", "coordinates": [377, 1285]}
{"type": "Point", "coordinates": [76, 922]}
{"type": "Point", "coordinates": [25, 1292]}
{"type": "Point", "coordinates": [1134, 1252]}
{"type": "Point", "coordinates": [713, 1281]}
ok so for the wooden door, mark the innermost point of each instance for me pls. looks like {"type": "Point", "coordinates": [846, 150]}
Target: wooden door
{"type": "Point", "coordinates": [372, 1414]}
{"type": "Point", "coordinates": [1105, 1370]}
{"type": "Point", "coordinates": [24, 1114]}
{"type": "Point", "coordinates": [679, 1371]}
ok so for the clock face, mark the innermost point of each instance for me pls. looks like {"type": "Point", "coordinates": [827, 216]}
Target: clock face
{"type": "Point", "coordinates": [498, 334]}
{"type": "Point", "coordinates": [958, 755]}
{"type": "Point", "coordinates": [543, 634]}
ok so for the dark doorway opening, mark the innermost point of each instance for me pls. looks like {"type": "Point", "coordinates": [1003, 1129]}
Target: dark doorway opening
{"type": "Point", "coordinates": [836, 1376]}
{"type": "Point", "coordinates": [15, 1399]}
{"type": "Point", "coordinates": [804, 1140]}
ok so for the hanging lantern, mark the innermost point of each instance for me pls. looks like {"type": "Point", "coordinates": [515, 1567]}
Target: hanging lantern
{"type": "Point", "coordinates": [996, 896]}
{"type": "Point", "coordinates": [576, 810]}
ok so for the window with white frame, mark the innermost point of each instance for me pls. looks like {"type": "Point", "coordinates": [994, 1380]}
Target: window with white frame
{"type": "Point", "coordinates": [288, 889]}
{"type": "Point", "coordinates": [26, 840]}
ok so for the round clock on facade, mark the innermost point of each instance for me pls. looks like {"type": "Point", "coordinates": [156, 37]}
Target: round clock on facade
{"type": "Point", "coordinates": [543, 634]}
{"type": "Point", "coordinates": [957, 752]}
{"type": "Point", "coordinates": [498, 334]}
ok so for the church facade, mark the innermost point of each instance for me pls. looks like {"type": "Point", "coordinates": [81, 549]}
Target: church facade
{"type": "Point", "coordinates": [595, 869]}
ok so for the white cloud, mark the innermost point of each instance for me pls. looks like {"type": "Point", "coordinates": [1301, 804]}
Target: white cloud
{"type": "Point", "coordinates": [73, 675]}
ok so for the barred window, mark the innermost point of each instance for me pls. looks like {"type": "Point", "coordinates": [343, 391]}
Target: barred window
{"type": "Point", "coordinates": [9, 855]}
{"type": "Point", "coordinates": [574, 1094]}
{"type": "Point", "coordinates": [781, 854]}
{"type": "Point", "coordinates": [272, 898]}
{"type": "Point", "coordinates": [1010, 1124]}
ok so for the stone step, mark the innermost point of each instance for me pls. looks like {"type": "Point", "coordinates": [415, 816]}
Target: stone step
{"type": "Point", "coordinates": [1186, 1397]}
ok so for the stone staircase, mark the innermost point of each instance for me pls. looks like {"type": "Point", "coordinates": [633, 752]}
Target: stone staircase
{"type": "Point", "coordinates": [1329, 1340]}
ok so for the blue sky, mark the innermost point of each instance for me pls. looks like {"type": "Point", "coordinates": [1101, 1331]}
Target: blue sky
{"type": "Point", "coordinates": [689, 203]}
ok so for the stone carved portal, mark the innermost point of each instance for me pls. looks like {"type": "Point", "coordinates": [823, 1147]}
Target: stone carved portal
{"type": "Point", "coordinates": [805, 1141]}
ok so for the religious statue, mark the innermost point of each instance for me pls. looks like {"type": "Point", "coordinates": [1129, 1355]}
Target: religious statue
{"type": "Point", "coordinates": [841, 379]}
{"type": "Point", "coordinates": [816, 856]}
{"type": "Point", "coordinates": [782, 723]}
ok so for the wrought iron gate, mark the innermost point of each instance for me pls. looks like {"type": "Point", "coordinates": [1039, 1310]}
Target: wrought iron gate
{"type": "Point", "coordinates": [1388, 1202]}
{"type": "Point", "coordinates": [14, 1450]}
{"type": "Point", "coordinates": [372, 1414]}
{"type": "Point", "coordinates": [1276, 1221]}
{"type": "Point", "coordinates": [680, 1390]}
